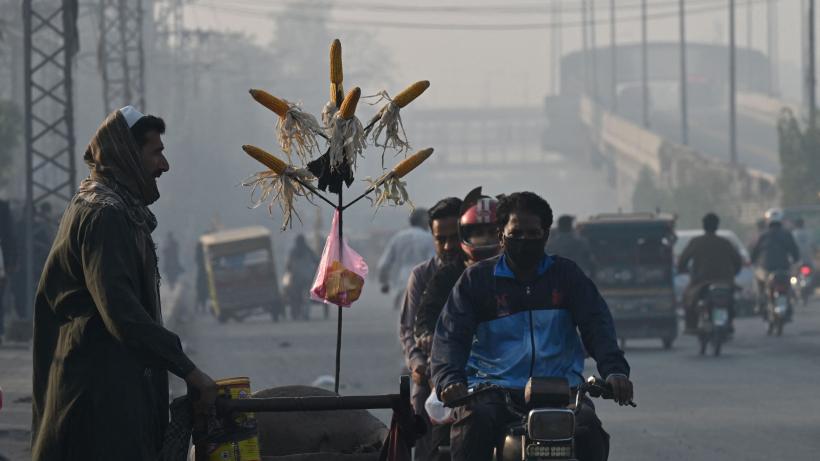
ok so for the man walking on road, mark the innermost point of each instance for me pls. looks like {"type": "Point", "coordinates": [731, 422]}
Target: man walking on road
{"type": "Point", "coordinates": [101, 354]}
{"type": "Point", "coordinates": [404, 251]}
{"type": "Point", "coordinates": [443, 222]}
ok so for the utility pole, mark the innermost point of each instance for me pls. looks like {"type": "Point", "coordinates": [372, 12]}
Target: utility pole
{"type": "Point", "coordinates": [644, 67]}
{"type": "Point", "coordinates": [121, 54]}
{"type": "Point", "coordinates": [684, 111]}
{"type": "Point", "coordinates": [811, 82]}
{"type": "Point", "coordinates": [772, 47]}
{"type": "Point", "coordinates": [613, 54]}
{"type": "Point", "coordinates": [50, 44]}
{"type": "Point", "coordinates": [585, 44]}
{"type": "Point", "coordinates": [732, 87]}
{"type": "Point", "coordinates": [749, 23]}
{"type": "Point", "coordinates": [594, 47]}
{"type": "Point", "coordinates": [556, 47]}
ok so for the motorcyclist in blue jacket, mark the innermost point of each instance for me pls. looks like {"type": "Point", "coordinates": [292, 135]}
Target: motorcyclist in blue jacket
{"type": "Point", "coordinates": [516, 316]}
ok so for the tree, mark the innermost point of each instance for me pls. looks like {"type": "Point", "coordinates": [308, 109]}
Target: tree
{"type": "Point", "coordinates": [798, 150]}
{"type": "Point", "coordinates": [10, 126]}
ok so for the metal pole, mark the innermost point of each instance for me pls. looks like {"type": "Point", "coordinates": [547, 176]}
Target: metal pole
{"type": "Point", "coordinates": [594, 47]}
{"type": "Point", "coordinates": [810, 78]}
{"type": "Point", "coordinates": [585, 44]}
{"type": "Point", "coordinates": [804, 53]}
{"type": "Point", "coordinates": [341, 211]}
{"type": "Point", "coordinates": [684, 111]}
{"type": "Point", "coordinates": [749, 21]}
{"type": "Point", "coordinates": [772, 47]}
{"type": "Point", "coordinates": [556, 52]}
{"type": "Point", "coordinates": [613, 47]}
{"type": "Point", "coordinates": [28, 264]}
{"type": "Point", "coordinates": [644, 67]}
{"type": "Point", "coordinates": [732, 83]}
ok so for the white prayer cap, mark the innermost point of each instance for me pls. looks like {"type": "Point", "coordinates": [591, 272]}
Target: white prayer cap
{"type": "Point", "coordinates": [131, 115]}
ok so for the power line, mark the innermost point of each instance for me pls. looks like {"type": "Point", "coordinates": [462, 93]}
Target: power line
{"type": "Point", "coordinates": [464, 26]}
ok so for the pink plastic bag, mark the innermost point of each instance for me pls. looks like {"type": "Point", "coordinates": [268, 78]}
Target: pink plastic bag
{"type": "Point", "coordinates": [338, 281]}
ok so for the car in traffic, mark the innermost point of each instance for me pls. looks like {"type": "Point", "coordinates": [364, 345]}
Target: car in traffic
{"type": "Point", "coordinates": [745, 294]}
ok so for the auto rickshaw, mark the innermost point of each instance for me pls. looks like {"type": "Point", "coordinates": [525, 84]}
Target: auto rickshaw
{"type": "Point", "coordinates": [634, 272]}
{"type": "Point", "coordinates": [241, 273]}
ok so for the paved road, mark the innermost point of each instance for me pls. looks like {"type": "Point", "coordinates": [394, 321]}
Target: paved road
{"type": "Point", "coordinates": [756, 402]}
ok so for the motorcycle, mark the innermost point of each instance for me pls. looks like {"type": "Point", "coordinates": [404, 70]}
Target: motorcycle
{"type": "Point", "coordinates": [779, 310]}
{"type": "Point", "coordinates": [713, 316]}
{"type": "Point", "coordinates": [803, 282]}
{"type": "Point", "coordinates": [545, 428]}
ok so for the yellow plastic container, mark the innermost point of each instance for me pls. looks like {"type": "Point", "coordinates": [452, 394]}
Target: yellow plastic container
{"type": "Point", "coordinates": [243, 442]}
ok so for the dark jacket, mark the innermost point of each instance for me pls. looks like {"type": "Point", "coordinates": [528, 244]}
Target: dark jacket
{"type": "Point", "coordinates": [775, 250]}
{"type": "Point", "coordinates": [435, 297]}
{"type": "Point", "coordinates": [101, 354]}
{"type": "Point", "coordinates": [497, 329]}
{"type": "Point", "coordinates": [713, 259]}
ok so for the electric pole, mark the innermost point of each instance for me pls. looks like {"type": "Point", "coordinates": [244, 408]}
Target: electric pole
{"type": "Point", "coordinates": [772, 47]}
{"type": "Point", "coordinates": [644, 67]}
{"type": "Point", "coordinates": [121, 54]}
{"type": "Point", "coordinates": [613, 54]}
{"type": "Point", "coordinates": [732, 87]}
{"type": "Point", "coordinates": [556, 46]}
{"type": "Point", "coordinates": [594, 47]}
{"type": "Point", "coordinates": [811, 82]}
{"type": "Point", "coordinates": [50, 44]}
{"type": "Point", "coordinates": [585, 44]}
{"type": "Point", "coordinates": [684, 111]}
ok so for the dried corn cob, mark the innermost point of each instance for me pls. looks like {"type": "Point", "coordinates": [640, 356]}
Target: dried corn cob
{"type": "Point", "coordinates": [270, 101]}
{"type": "Point", "coordinates": [410, 93]}
{"type": "Point", "coordinates": [337, 94]}
{"type": "Point", "coordinates": [278, 166]}
{"type": "Point", "coordinates": [410, 163]}
{"type": "Point", "coordinates": [336, 62]}
{"type": "Point", "coordinates": [348, 108]}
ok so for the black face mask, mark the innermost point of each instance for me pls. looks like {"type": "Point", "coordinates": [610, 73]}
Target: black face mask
{"type": "Point", "coordinates": [525, 254]}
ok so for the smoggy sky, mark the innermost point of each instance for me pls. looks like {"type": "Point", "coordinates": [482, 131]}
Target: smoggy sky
{"type": "Point", "coordinates": [502, 67]}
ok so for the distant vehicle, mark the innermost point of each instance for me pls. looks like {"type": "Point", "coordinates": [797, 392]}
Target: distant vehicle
{"type": "Point", "coordinates": [811, 217]}
{"type": "Point", "coordinates": [633, 256]}
{"type": "Point", "coordinates": [780, 305]}
{"type": "Point", "coordinates": [746, 292]}
{"type": "Point", "coordinates": [241, 273]}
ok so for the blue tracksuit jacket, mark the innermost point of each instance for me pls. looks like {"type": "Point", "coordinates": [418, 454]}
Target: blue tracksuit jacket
{"type": "Point", "coordinates": [499, 330]}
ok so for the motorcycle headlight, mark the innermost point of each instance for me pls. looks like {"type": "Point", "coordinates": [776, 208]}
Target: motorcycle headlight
{"type": "Point", "coordinates": [549, 451]}
{"type": "Point", "coordinates": [551, 425]}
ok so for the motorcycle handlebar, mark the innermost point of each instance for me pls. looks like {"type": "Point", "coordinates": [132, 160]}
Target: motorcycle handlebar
{"type": "Point", "coordinates": [594, 387]}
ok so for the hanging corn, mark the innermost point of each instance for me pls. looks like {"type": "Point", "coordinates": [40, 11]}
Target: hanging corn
{"type": "Point", "coordinates": [390, 188]}
{"type": "Point", "coordinates": [346, 133]}
{"type": "Point", "coordinates": [280, 184]}
{"type": "Point", "coordinates": [295, 130]}
{"type": "Point", "coordinates": [388, 120]}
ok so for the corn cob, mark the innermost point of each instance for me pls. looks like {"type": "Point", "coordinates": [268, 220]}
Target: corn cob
{"type": "Point", "coordinates": [337, 94]}
{"type": "Point", "coordinates": [410, 163]}
{"type": "Point", "coordinates": [278, 166]}
{"type": "Point", "coordinates": [279, 106]}
{"type": "Point", "coordinates": [348, 108]}
{"type": "Point", "coordinates": [410, 93]}
{"type": "Point", "coordinates": [336, 62]}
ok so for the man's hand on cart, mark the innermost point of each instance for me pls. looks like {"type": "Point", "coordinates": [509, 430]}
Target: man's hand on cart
{"type": "Point", "coordinates": [202, 389]}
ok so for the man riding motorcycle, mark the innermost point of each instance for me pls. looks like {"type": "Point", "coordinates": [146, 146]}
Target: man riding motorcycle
{"type": "Point", "coordinates": [478, 235]}
{"type": "Point", "coordinates": [713, 259]}
{"type": "Point", "coordinates": [516, 316]}
{"type": "Point", "coordinates": [774, 251]}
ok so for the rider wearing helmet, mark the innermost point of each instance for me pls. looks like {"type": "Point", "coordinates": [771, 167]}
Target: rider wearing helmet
{"type": "Point", "coordinates": [479, 240]}
{"type": "Point", "coordinates": [775, 250]}
{"type": "Point", "coordinates": [478, 237]}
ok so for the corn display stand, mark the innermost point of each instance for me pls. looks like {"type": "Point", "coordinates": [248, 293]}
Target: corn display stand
{"type": "Point", "coordinates": [302, 176]}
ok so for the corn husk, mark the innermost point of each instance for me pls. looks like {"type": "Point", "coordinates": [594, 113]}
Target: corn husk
{"type": "Point", "coordinates": [281, 189]}
{"type": "Point", "coordinates": [347, 141]}
{"type": "Point", "coordinates": [296, 133]}
{"type": "Point", "coordinates": [389, 190]}
{"type": "Point", "coordinates": [388, 122]}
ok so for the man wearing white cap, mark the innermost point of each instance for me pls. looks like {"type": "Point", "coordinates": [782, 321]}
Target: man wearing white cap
{"type": "Point", "coordinates": [101, 354]}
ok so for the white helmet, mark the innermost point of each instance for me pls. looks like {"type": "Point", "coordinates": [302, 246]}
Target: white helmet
{"type": "Point", "coordinates": [774, 215]}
